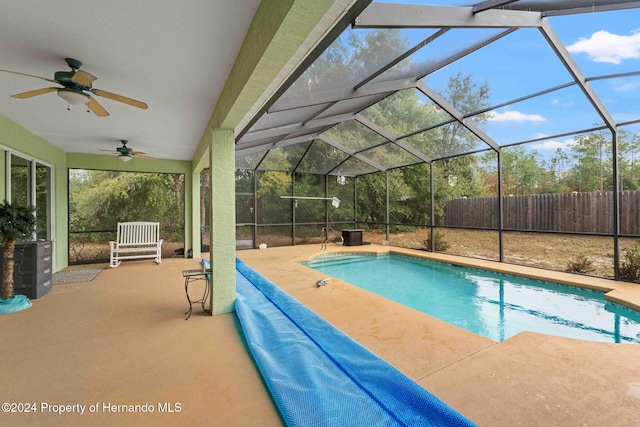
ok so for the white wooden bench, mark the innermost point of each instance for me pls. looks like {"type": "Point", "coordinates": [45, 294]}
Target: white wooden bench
{"type": "Point", "coordinates": [136, 240]}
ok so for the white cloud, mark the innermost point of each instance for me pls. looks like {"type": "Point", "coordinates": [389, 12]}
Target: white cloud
{"type": "Point", "coordinates": [553, 145]}
{"type": "Point", "coordinates": [603, 46]}
{"type": "Point", "coordinates": [555, 101]}
{"type": "Point", "coordinates": [516, 116]}
{"type": "Point", "coordinates": [631, 86]}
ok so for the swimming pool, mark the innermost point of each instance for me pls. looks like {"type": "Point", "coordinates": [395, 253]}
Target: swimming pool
{"type": "Point", "coordinates": [495, 305]}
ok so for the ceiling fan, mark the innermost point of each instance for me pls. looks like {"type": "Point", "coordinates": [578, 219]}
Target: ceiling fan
{"type": "Point", "coordinates": [125, 153]}
{"type": "Point", "coordinates": [76, 89]}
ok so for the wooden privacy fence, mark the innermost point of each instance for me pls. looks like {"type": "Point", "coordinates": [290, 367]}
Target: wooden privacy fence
{"type": "Point", "coordinates": [590, 212]}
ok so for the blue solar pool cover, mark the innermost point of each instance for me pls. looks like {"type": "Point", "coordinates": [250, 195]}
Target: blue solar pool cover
{"type": "Point", "coordinates": [317, 375]}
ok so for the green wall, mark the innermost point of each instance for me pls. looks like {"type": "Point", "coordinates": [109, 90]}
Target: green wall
{"type": "Point", "coordinates": [19, 140]}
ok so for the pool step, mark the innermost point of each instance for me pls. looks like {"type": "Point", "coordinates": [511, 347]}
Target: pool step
{"type": "Point", "coordinates": [327, 261]}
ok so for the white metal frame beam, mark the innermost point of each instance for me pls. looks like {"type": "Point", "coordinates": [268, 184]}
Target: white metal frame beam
{"type": "Point", "coordinates": [295, 127]}
{"type": "Point", "coordinates": [387, 15]}
{"type": "Point", "coordinates": [341, 94]}
{"type": "Point", "coordinates": [490, 4]}
{"type": "Point", "coordinates": [351, 152]}
{"type": "Point", "coordinates": [571, 66]}
{"type": "Point", "coordinates": [593, 8]}
{"type": "Point", "coordinates": [392, 138]}
{"type": "Point", "coordinates": [453, 112]}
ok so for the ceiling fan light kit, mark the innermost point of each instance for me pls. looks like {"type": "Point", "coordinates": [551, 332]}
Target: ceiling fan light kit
{"type": "Point", "coordinates": [125, 158]}
{"type": "Point", "coordinates": [73, 96]}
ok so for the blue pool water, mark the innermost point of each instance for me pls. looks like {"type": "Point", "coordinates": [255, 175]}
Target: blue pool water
{"type": "Point", "coordinates": [497, 306]}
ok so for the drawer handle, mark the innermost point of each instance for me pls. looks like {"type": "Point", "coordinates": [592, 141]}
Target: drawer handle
{"type": "Point", "coordinates": [46, 259]}
{"type": "Point", "coordinates": [47, 271]}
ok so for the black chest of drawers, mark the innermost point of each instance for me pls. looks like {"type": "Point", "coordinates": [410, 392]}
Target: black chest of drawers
{"type": "Point", "coordinates": [32, 269]}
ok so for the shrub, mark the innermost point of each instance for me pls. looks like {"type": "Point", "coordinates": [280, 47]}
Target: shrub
{"type": "Point", "coordinates": [582, 264]}
{"type": "Point", "coordinates": [441, 241]}
{"type": "Point", "coordinates": [630, 268]}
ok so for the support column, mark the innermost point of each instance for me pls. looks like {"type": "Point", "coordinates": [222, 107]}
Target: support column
{"type": "Point", "coordinates": [195, 215]}
{"type": "Point", "coordinates": [617, 188]}
{"type": "Point", "coordinates": [387, 216]}
{"type": "Point", "coordinates": [500, 207]}
{"type": "Point", "coordinates": [223, 216]}
{"type": "Point", "coordinates": [432, 214]}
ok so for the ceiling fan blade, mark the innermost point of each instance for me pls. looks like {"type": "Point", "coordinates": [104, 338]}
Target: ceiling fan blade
{"type": "Point", "coordinates": [28, 75]}
{"type": "Point", "coordinates": [120, 98]}
{"type": "Point", "coordinates": [143, 156]}
{"type": "Point", "coordinates": [36, 92]}
{"type": "Point", "coordinates": [83, 78]}
{"type": "Point", "coordinates": [97, 109]}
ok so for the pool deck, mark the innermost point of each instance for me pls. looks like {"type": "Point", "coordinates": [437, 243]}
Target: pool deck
{"type": "Point", "coordinates": [529, 379]}
{"type": "Point", "coordinates": [121, 339]}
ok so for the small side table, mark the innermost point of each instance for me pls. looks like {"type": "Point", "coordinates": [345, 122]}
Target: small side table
{"type": "Point", "coordinates": [194, 276]}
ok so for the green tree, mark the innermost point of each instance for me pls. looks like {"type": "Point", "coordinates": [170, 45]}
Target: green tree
{"type": "Point", "coordinates": [372, 198]}
{"type": "Point", "coordinates": [556, 170]}
{"type": "Point", "coordinates": [522, 171]}
{"type": "Point", "coordinates": [628, 157]}
{"type": "Point", "coordinates": [272, 209]}
{"type": "Point", "coordinates": [309, 185]}
{"type": "Point", "coordinates": [592, 170]}
{"type": "Point", "coordinates": [525, 171]}
{"type": "Point", "coordinates": [98, 200]}
{"type": "Point", "coordinates": [455, 178]}
{"type": "Point", "coordinates": [418, 195]}
{"type": "Point", "coordinates": [466, 96]}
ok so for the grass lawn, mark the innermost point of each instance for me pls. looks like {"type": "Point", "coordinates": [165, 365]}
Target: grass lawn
{"type": "Point", "coordinates": [549, 251]}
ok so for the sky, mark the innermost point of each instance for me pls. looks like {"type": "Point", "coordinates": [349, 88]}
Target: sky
{"type": "Point", "coordinates": [523, 63]}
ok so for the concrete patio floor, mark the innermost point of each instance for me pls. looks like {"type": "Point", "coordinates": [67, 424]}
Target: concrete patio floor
{"type": "Point", "coordinates": [121, 339]}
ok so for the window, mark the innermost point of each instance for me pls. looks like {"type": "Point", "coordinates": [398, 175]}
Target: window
{"type": "Point", "coordinates": [20, 182]}
{"type": "Point", "coordinates": [30, 184]}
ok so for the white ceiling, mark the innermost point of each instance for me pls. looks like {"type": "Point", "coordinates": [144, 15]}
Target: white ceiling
{"type": "Point", "coordinates": [173, 55]}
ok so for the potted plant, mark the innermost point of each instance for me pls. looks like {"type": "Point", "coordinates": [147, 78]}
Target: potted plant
{"type": "Point", "coordinates": [16, 223]}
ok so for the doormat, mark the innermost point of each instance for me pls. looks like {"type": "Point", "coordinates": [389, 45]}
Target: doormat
{"type": "Point", "coordinates": [74, 276]}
